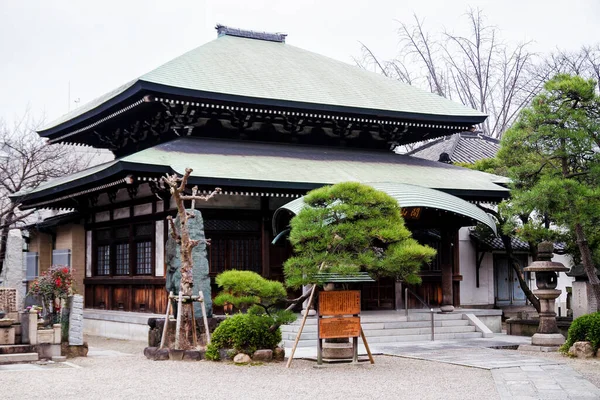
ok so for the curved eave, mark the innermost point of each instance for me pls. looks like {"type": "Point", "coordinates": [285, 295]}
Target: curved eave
{"type": "Point", "coordinates": [106, 176]}
{"type": "Point", "coordinates": [141, 88]}
{"type": "Point", "coordinates": [410, 196]}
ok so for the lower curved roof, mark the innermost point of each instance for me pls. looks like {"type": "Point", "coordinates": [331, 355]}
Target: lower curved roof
{"type": "Point", "coordinates": [412, 196]}
{"type": "Point", "coordinates": [271, 165]}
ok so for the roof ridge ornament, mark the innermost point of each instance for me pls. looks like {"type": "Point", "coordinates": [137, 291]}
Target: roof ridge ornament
{"type": "Point", "coordinates": [223, 30]}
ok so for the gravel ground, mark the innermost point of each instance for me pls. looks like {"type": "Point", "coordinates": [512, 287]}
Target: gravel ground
{"type": "Point", "coordinates": [590, 368]}
{"type": "Point", "coordinates": [135, 377]}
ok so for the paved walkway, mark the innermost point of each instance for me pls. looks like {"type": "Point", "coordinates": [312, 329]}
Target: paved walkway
{"type": "Point", "coordinates": [516, 375]}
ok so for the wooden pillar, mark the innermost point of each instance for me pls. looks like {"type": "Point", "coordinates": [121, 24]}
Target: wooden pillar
{"type": "Point", "coordinates": [265, 239]}
{"type": "Point", "coordinates": [456, 276]}
{"type": "Point", "coordinates": [447, 270]}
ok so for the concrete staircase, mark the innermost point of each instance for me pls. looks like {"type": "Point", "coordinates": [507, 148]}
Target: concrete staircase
{"type": "Point", "coordinates": [18, 353]}
{"type": "Point", "coordinates": [390, 327]}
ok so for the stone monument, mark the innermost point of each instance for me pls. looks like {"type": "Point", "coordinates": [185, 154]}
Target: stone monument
{"type": "Point", "coordinates": [200, 269]}
{"type": "Point", "coordinates": [583, 300]}
{"type": "Point", "coordinates": [546, 279]}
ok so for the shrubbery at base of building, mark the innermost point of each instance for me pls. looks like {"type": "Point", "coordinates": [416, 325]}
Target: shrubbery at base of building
{"type": "Point", "coordinates": [244, 333]}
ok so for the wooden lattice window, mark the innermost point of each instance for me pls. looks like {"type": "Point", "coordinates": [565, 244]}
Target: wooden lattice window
{"type": "Point", "coordinates": [144, 258]}
{"type": "Point", "coordinates": [235, 244]}
{"type": "Point", "coordinates": [124, 250]}
{"type": "Point", "coordinates": [103, 260]}
{"type": "Point", "coordinates": [122, 259]}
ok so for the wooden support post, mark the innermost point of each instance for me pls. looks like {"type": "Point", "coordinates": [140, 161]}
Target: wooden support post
{"type": "Point", "coordinates": [312, 294]}
{"type": "Point", "coordinates": [364, 339]}
{"type": "Point", "coordinates": [165, 326]}
{"type": "Point", "coordinates": [204, 318]}
{"type": "Point", "coordinates": [194, 334]}
{"type": "Point", "coordinates": [178, 324]}
{"type": "Point", "coordinates": [355, 349]}
{"type": "Point", "coordinates": [319, 351]}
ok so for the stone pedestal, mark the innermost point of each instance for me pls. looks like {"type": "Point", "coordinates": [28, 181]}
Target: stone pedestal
{"type": "Point", "coordinates": [7, 335]}
{"type": "Point", "coordinates": [45, 336]}
{"type": "Point", "coordinates": [337, 351]}
{"type": "Point", "coordinates": [29, 322]}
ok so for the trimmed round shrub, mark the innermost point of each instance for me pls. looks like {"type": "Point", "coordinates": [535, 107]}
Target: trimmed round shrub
{"type": "Point", "coordinates": [244, 333]}
{"type": "Point", "coordinates": [584, 329]}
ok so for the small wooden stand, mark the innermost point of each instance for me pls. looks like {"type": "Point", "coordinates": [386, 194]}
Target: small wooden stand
{"type": "Point", "coordinates": [180, 299]}
{"type": "Point", "coordinates": [339, 317]}
{"type": "Point", "coordinates": [336, 304]}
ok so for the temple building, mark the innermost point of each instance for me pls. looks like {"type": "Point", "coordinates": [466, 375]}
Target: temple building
{"type": "Point", "coordinates": [266, 122]}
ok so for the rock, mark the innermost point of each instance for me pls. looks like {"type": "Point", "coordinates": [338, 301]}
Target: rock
{"type": "Point", "coordinates": [193, 355]}
{"type": "Point", "coordinates": [226, 354]}
{"type": "Point", "coordinates": [161, 355]}
{"type": "Point", "coordinates": [242, 358]}
{"type": "Point", "coordinates": [150, 352]}
{"type": "Point", "coordinates": [279, 354]}
{"type": "Point", "coordinates": [176, 354]}
{"type": "Point", "coordinates": [200, 261]}
{"type": "Point", "coordinates": [582, 350]}
{"type": "Point", "coordinates": [262, 355]}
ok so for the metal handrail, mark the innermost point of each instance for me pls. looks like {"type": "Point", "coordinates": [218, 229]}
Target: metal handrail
{"type": "Point", "coordinates": [416, 296]}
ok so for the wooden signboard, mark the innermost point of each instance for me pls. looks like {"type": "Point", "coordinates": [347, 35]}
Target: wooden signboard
{"type": "Point", "coordinates": [342, 302]}
{"type": "Point", "coordinates": [339, 327]}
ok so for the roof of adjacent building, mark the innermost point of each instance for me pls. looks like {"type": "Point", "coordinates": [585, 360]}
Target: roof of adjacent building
{"type": "Point", "coordinates": [253, 164]}
{"type": "Point", "coordinates": [494, 243]}
{"type": "Point", "coordinates": [254, 69]}
{"type": "Point", "coordinates": [466, 147]}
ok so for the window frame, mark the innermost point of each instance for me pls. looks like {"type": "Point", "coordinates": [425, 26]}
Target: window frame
{"type": "Point", "coordinates": [131, 241]}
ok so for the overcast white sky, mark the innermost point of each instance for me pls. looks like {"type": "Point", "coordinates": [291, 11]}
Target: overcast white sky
{"type": "Point", "coordinates": [99, 45]}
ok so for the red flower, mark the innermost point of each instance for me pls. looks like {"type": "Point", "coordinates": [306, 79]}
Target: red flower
{"type": "Point", "coordinates": [65, 270]}
{"type": "Point", "coordinates": [58, 282]}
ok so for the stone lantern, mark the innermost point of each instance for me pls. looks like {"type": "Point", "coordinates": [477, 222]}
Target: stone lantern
{"type": "Point", "coordinates": [546, 278]}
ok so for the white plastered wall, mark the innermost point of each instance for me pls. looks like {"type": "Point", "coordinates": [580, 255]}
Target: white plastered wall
{"type": "Point", "coordinates": [470, 294]}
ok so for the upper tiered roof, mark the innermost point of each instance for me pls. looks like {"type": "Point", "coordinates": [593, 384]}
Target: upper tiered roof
{"type": "Point", "coordinates": [244, 80]}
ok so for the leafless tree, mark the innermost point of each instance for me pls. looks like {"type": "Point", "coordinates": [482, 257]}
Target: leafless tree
{"type": "Point", "coordinates": [478, 69]}
{"type": "Point", "coordinates": [27, 161]}
{"type": "Point", "coordinates": [185, 338]}
{"type": "Point", "coordinates": [584, 62]}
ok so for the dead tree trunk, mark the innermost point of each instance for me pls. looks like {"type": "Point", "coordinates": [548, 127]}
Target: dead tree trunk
{"type": "Point", "coordinates": [186, 244]}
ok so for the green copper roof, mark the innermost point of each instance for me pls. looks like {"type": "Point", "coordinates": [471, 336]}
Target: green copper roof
{"type": "Point", "coordinates": [246, 69]}
{"type": "Point", "coordinates": [412, 196]}
{"type": "Point", "coordinates": [253, 164]}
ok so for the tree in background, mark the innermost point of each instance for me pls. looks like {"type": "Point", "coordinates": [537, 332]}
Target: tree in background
{"type": "Point", "coordinates": [553, 157]}
{"type": "Point", "coordinates": [27, 161]}
{"type": "Point", "coordinates": [479, 69]}
{"type": "Point", "coordinates": [351, 227]}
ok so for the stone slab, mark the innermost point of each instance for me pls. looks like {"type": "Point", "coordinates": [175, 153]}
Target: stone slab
{"type": "Point", "coordinates": [19, 357]}
{"type": "Point", "coordinates": [544, 349]}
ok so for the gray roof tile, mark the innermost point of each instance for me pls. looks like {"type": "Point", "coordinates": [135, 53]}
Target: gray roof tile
{"type": "Point", "coordinates": [464, 147]}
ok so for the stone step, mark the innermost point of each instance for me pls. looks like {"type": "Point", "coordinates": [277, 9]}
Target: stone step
{"type": "Point", "coordinates": [384, 325]}
{"type": "Point", "coordinates": [18, 357]}
{"type": "Point", "coordinates": [437, 316]}
{"type": "Point", "coordinates": [17, 348]}
{"type": "Point", "coordinates": [389, 332]}
{"type": "Point", "coordinates": [394, 339]}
